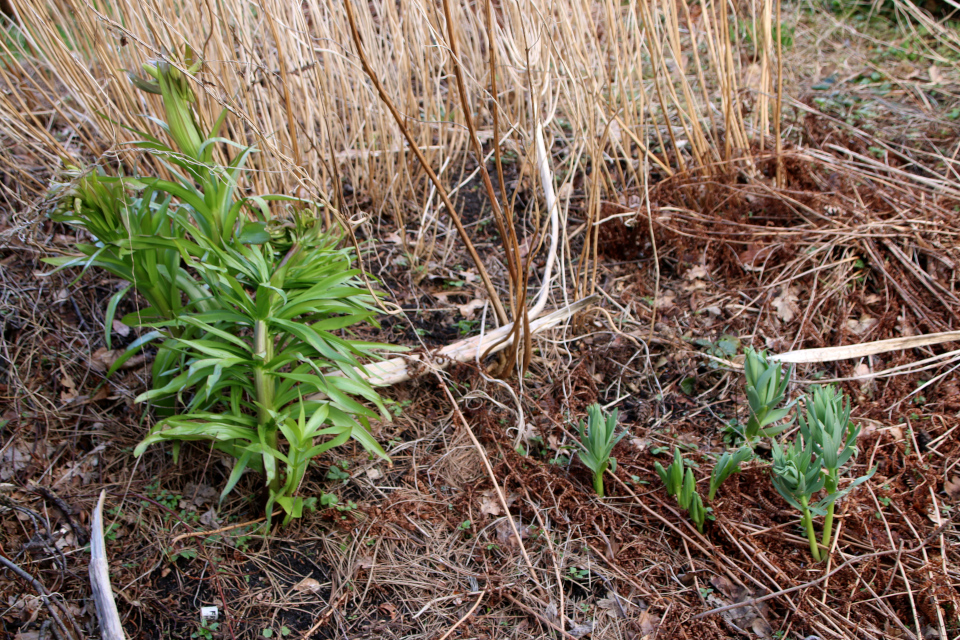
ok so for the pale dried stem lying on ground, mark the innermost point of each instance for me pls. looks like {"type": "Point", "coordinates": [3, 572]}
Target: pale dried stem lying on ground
{"type": "Point", "coordinates": [110, 625]}
{"type": "Point", "coordinates": [396, 370]}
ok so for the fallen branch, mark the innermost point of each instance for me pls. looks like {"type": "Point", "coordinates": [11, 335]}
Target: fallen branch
{"type": "Point", "coordinates": [109, 617]}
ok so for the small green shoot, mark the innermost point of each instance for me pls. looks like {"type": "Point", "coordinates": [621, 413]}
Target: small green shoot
{"type": "Point", "coordinates": [727, 464]}
{"type": "Point", "coordinates": [597, 440]}
{"type": "Point", "coordinates": [834, 436]}
{"type": "Point", "coordinates": [797, 477]}
{"type": "Point", "coordinates": [766, 390]}
{"type": "Point", "coordinates": [684, 487]}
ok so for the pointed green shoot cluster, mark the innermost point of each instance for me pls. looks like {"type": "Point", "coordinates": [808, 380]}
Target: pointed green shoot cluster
{"type": "Point", "coordinates": [684, 486]}
{"type": "Point", "coordinates": [727, 465]}
{"type": "Point", "coordinates": [597, 439]}
{"type": "Point", "coordinates": [766, 390]}
{"type": "Point", "coordinates": [828, 427]}
{"type": "Point", "coordinates": [797, 477]}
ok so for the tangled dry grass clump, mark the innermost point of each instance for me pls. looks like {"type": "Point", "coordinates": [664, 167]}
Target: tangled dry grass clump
{"type": "Point", "coordinates": [718, 175]}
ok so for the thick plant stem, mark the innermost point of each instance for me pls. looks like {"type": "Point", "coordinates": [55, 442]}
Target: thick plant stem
{"type": "Point", "coordinates": [828, 527]}
{"type": "Point", "coordinates": [598, 483]}
{"type": "Point", "coordinates": [831, 487]}
{"type": "Point", "coordinates": [265, 387]}
{"type": "Point", "coordinates": [811, 536]}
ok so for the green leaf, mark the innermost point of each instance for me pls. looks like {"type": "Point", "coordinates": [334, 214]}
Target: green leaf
{"type": "Point", "coordinates": [238, 468]}
{"type": "Point", "coordinates": [254, 233]}
{"type": "Point", "coordinates": [111, 312]}
{"type": "Point", "coordinates": [131, 351]}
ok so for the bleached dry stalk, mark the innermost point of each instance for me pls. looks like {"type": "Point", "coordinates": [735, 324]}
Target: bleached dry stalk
{"type": "Point", "coordinates": [846, 352]}
{"type": "Point", "coordinates": [110, 626]}
{"type": "Point", "coordinates": [396, 370]}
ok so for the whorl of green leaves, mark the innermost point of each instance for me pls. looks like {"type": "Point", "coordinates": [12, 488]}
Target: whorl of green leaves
{"type": "Point", "coordinates": [796, 473]}
{"type": "Point", "coordinates": [827, 424]}
{"type": "Point", "coordinates": [766, 389]}
{"type": "Point", "coordinates": [597, 439]}
{"type": "Point", "coordinates": [797, 476]}
{"type": "Point", "coordinates": [251, 306]}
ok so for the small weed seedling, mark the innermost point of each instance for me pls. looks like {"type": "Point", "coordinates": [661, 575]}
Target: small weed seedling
{"type": "Point", "coordinates": [597, 440]}
{"type": "Point", "coordinates": [338, 472]}
{"type": "Point", "coordinates": [206, 630]}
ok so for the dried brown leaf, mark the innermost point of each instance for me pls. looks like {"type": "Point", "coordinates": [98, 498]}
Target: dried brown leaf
{"type": "Point", "coordinates": [469, 309]}
{"type": "Point", "coordinates": [786, 304]}
{"type": "Point", "coordinates": [952, 488]}
{"type": "Point", "coordinates": [648, 624]}
{"type": "Point", "coordinates": [490, 503]}
{"type": "Point", "coordinates": [307, 585]}
{"type": "Point", "coordinates": [861, 326]}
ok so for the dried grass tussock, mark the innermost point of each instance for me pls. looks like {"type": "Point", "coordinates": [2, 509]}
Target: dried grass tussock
{"type": "Point", "coordinates": [602, 77]}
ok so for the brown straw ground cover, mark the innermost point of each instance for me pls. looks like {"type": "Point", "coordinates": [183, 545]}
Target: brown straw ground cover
{"type": "Point", "coordinates": [700, 232]}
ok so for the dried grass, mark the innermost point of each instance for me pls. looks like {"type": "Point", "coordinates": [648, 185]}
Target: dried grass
{"type": "Point", "coordinates": [290, 76]}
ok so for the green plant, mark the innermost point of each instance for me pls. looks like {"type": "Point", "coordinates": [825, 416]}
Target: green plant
{"type": "Point", "coordinates": [797, 477]}
{"type": "Point", "coordinates": [576, 573]}
{"type": "Point", "coordinates": [189, 554]}
{"type": "Point", "coordinates": [766, 390]}
{"type": "Point", "coordinates": [726, 465]}
{"type": "Point", "coordinates": [329, 500]}
{"type": "Point", "coordinates": [723, 349]}
{"type": "Point", "coordinates": [205, 630]}
{"type": "Point", "coordinates": [466, 327]}
{"type": "Point", "coordinates": [350, 506]}
{"type": "Point", "coordinates": [828, 427]}
{"type": "Point", "coordinates": [597, 439]}
{"type": "Point", "coordinates": [250, 305]}
{"type": "Point", "coordinates": [684, 486]}
{"type": "Point", "coordinates": [338, 472]}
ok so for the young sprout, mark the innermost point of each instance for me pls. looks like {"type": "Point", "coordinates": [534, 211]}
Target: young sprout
{"type": "Point", "coordinates": [797, 476]}
{"type": "Point", "coordinates": [672, 476]}
{"type": "Point", "coordinates": [727, 464]}
{"type": "Point", "coordinates": [698, 513]}
{"type": "Point", "coordinates": [684, 487]}
{"type": "Point", "coordinates": [828, 426]}
{"type": "Point", "coordinates": [766, 389]}
{"type": "Point", "coordinates": [597, 440]}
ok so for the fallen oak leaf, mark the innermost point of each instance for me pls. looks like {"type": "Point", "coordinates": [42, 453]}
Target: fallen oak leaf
{"type": "Point", "coordinates": [490, 504]}
{"type": "Point", "coordinates": [648, 623]}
